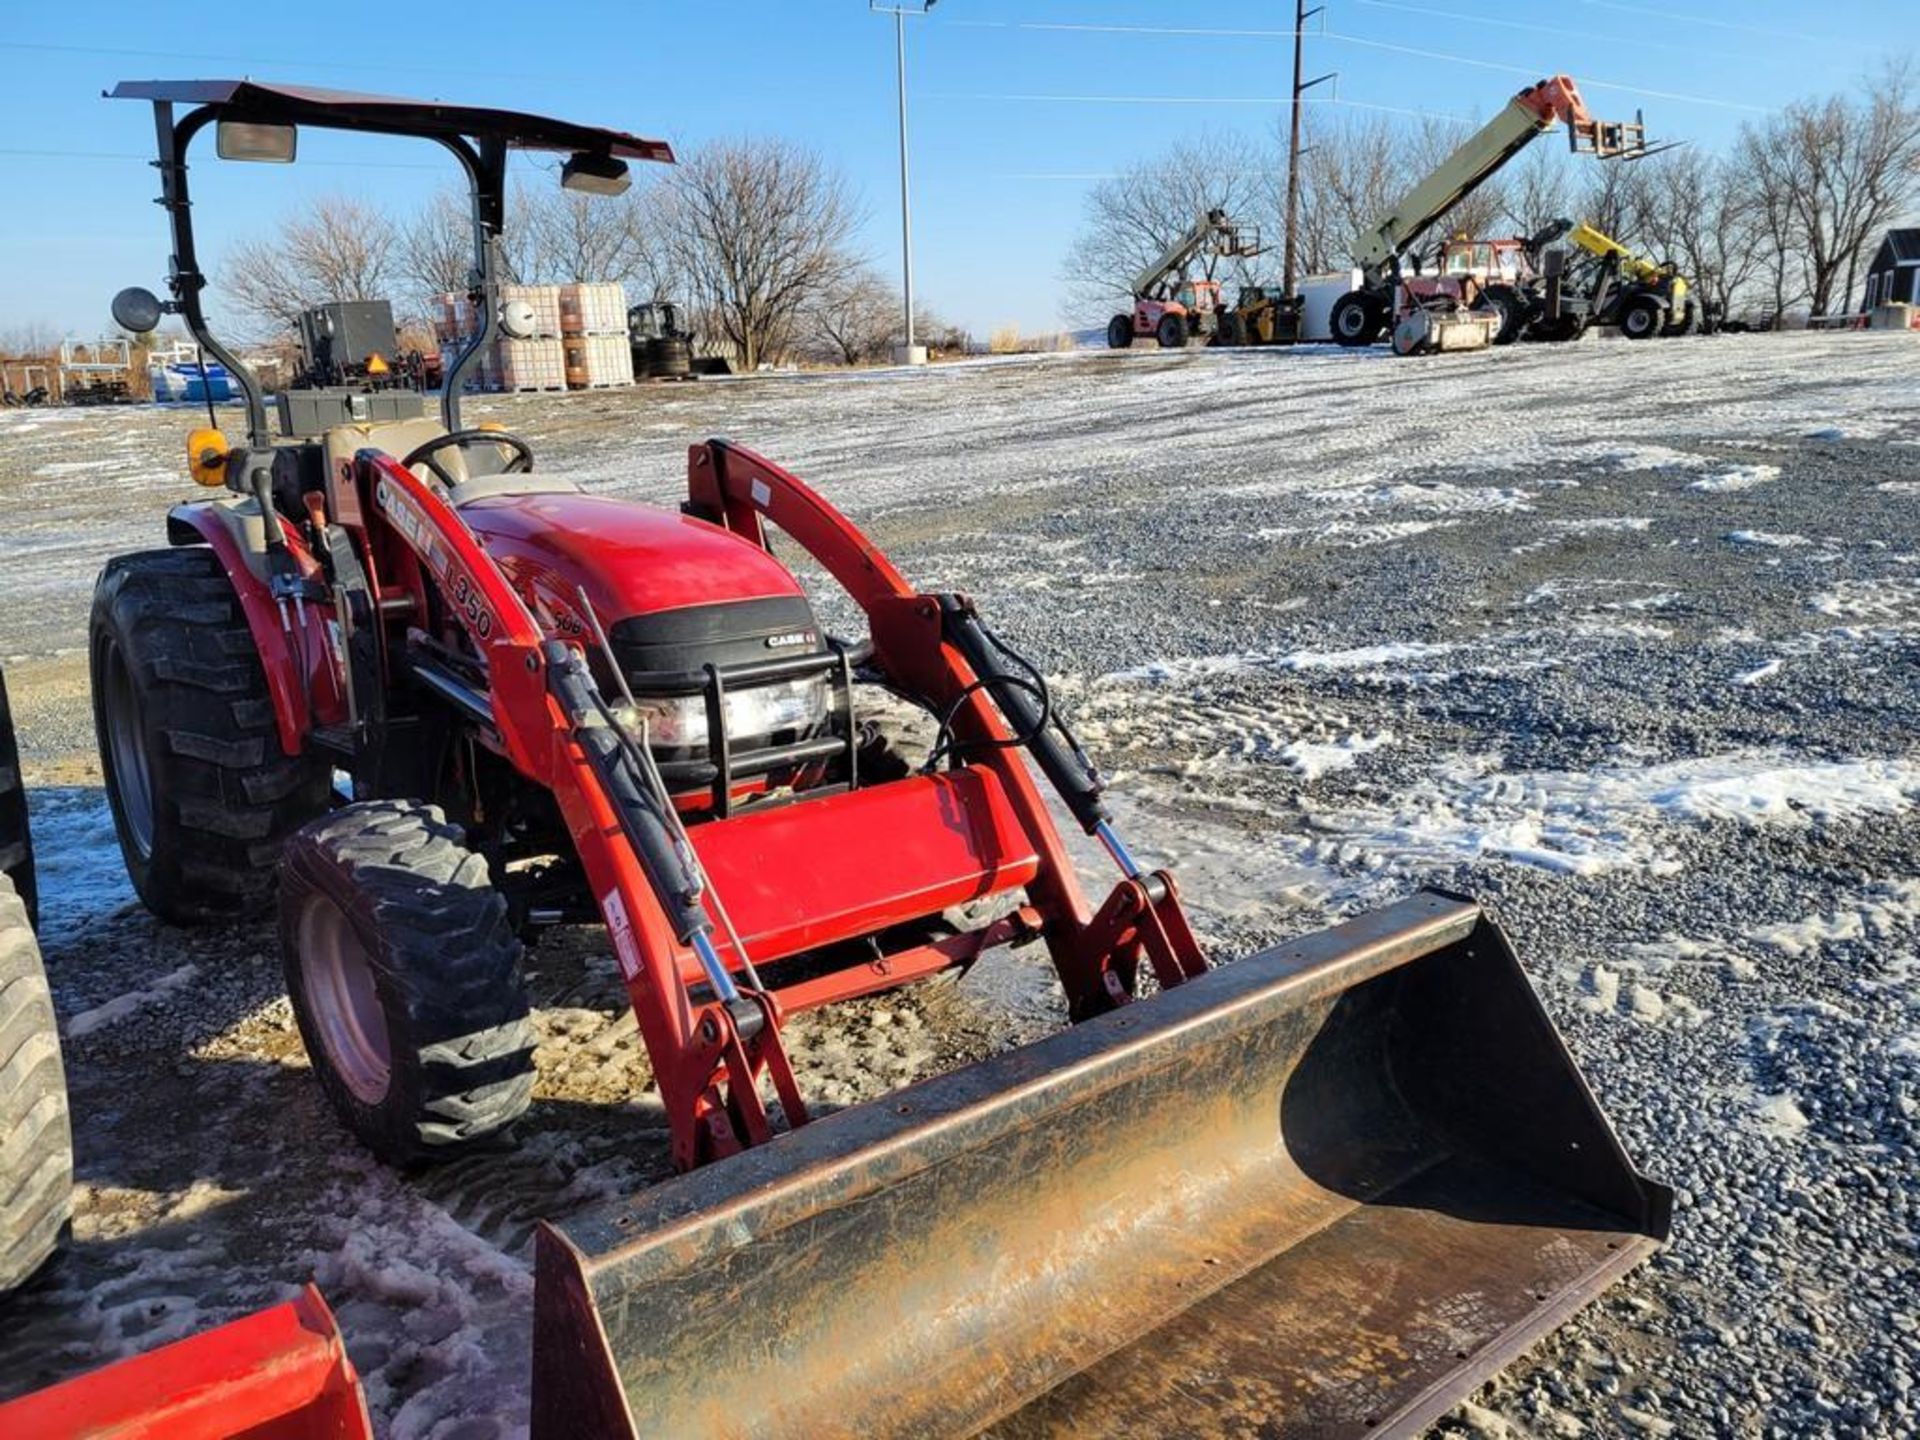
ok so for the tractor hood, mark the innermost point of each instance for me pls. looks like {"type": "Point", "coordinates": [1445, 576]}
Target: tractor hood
{"type": "Point", "coordinates": [631, 559]}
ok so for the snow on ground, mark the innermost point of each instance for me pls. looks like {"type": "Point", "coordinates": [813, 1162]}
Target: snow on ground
{"type": "Point", "coordinates": [1335, 625]}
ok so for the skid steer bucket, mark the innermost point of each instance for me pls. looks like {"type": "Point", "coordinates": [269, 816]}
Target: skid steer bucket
{"type": "Point", "coordinates": [278, 1374]}
{"type": "Point", "coordinates": [1324, 1191]}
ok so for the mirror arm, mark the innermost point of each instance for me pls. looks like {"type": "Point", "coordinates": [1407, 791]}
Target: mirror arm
{"type": "Point", "coordinates": [186, 281]}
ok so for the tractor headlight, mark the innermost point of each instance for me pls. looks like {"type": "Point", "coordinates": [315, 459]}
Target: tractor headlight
{"type": "Point", "coordinates": [793, 708]}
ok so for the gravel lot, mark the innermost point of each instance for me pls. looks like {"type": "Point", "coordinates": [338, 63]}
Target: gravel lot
{"type": "Point", "coordinates": [1621, 638]}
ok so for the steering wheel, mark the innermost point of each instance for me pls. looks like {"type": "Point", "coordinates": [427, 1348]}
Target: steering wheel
{"type": "Point", "coordinates": [519, 463]}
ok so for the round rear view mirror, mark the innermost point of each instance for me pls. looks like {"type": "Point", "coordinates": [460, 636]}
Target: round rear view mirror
{"type": "Point", "coordinates": [137, 310]}
{"type": "Point", "coordinates": [516, 318]}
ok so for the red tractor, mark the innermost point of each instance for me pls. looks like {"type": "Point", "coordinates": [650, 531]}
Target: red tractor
{"type": "Point", "coordinates": [446, 699]}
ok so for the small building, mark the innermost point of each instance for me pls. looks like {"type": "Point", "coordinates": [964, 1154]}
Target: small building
{"type": "Point", "coordinates": [1894, 276]}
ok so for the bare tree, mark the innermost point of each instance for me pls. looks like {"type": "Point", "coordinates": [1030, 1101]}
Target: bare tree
{"type": "Point", "coordinates": [336, 248]}
{"type": "Point", "coordinates": [1536, 193]}
{"type": "Point", "coordinates": [592, 237]}
{"type": "Point", "coordinates": [1833, 174]}
{"type": "Point", "coordinates": [759, 227]}
{"type": "Point", "coordinates": [1132, 218]}
{"type": "Point", "coordinates": [1698, 215]}
{"type": "Point", "coordinates": [856, 315]}
{"type": "Point", "coordinates": [435, 250]}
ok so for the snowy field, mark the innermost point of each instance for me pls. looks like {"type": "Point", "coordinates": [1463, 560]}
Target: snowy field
{"type": "Point", "coordinates": [1622, 638]}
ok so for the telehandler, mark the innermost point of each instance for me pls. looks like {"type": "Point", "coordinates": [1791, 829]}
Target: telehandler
{"type": "Point", "coordinates": [1418, 315]}
{"type": "Point", "coordinates": [1325, 1189]}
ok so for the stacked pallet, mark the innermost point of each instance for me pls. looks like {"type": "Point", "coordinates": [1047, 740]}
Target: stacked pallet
{"type": "Point", "coordinates": [593, 322]}
{"type": "Point", "coordinates": [593, 309]}
{"type": "Point", "coordinates": [598, 362]}
{"type": "Point", "coordinates": [543, 301]}
{"type": "Point", "coordinates": [579, 339]}
{"type": "Point", "coordinates": [531, 364]}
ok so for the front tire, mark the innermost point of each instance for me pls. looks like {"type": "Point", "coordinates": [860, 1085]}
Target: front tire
{"type": "Point", "coordinates": [1641, 318]}
{"type": "Point", "coordinates": [1357, 319]}
{"type": "Point", "coordinates": [1505, 302]}
{"type": "Point", "coordinates": [36, 1136]}
{"type": "Point", "coordinates": [405, 978]}
{"type": "Point", "coordinates": [1120, 333]}
{"type": "Point", "coordinates": [201, 792]}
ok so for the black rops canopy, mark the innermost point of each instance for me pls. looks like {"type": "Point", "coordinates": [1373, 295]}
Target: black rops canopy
{"type": "Point", "coordinates": [392, 115]}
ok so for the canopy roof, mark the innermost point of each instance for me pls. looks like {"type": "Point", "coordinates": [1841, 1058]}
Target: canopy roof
{"type": "Point", "coordinates": [392, 115]}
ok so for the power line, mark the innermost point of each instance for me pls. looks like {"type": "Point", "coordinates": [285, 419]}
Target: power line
{"type": "Point", "coordinates": [1693, 19]}
{"type": "Point", "coordinates": [1515, 24]}
{"type": "Point", "coordinates": [49, 154]}
{"type": "Point", "coordinates": [1234, 33]}
{"type": "Point", "coordinates": [223, 58]}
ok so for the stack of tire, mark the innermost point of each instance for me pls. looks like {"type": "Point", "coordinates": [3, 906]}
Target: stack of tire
{"type": "Point", "coordinates": [36, 1137]}
{"type": "Point", "coordinates": [668, 357]}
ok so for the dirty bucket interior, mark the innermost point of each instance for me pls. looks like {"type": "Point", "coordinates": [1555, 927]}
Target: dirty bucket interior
{"type": "Point", "coordinates": [1324, 1191]}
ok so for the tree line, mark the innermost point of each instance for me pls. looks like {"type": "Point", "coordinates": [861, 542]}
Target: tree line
{"type": "Point", "coordinates": [755, 239]}
{"type": "Point", "coordinates": [1787, 219]}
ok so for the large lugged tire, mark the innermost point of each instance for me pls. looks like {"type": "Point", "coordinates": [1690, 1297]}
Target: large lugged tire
{"type": "Point", "coordinates": [405, 978]}
{"type": "Point", "coordinates": [36, 1140]}
{"type": "Point", "coordinates": [1357, 318]}
{"type": "Point", "coordinates": [16, 838]}
{"type": "Point", "coordinates": [1120, 332]}
{"type": "Point", "coordinates": [1641, 318]}
{"type": "Point", "coordinates": [1171, 332]}
{"type": "Point", "coordinates": [202, 794]}
{"type": "Point", "coordinates": [1509, 306]}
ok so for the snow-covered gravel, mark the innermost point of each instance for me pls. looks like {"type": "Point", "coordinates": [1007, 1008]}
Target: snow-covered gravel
{"type": "Point", "coordinates": [1620, 637]}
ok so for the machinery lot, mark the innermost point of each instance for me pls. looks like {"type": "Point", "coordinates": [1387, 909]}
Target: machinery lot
{"type": "Point", "coordinates": [1621, 638]}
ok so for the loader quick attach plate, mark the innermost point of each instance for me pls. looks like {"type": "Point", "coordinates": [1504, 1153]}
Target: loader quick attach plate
{"type": "Point", "coordinates": [1324, 1191]}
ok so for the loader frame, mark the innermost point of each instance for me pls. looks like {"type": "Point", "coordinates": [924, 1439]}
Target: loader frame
{"type": "Point", "coordinates": [713, 1057]}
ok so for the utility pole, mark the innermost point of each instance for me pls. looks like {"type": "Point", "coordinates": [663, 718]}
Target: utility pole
{"type": "Point", "coordinates": [1301, 14]}
{"type": "Point", "coordinates": [909, 353]}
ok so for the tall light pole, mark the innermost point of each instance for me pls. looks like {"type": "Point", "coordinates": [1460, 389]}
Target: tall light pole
{"type": "Point", "coordinates": [909, 353]}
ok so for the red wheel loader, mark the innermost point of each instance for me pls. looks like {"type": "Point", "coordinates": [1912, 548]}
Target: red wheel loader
{"type": "Point", "coordinates": [1325, 1189]}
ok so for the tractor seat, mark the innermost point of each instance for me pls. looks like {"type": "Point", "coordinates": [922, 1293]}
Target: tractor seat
{"type": "Point", "coordinates": [469, 467]}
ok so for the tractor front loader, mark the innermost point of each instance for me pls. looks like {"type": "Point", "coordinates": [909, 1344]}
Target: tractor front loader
{"type": "Point", "coordinates": [1325, 1189]}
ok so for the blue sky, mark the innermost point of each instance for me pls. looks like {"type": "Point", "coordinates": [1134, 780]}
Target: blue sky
{"type": "Point", "coordinates": [999, 173]}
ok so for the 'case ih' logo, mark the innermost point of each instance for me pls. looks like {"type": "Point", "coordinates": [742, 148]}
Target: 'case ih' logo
{"type": "Point", "coordinates": [789, 637]}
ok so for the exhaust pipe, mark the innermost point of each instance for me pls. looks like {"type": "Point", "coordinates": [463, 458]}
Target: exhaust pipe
{"type": "Point", "coordinates": [1327, 1190]}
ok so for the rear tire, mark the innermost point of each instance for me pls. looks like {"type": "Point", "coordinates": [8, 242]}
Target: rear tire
{"type": "Point", "coordinates": [1120, 333]}
{"type": "Point", "coordinates": [1233, 329]}
{"type": "Point", "coordinates": [1357, 319]}
{"type": "Point", "coordinates": [405, 978]}
{"type": "Point", "coordinates": [1641, 318]}
{"type": "Point", "coordinates": [201, 792]}
{"type": "Point", "coordinates": [16, 837]}
{"type": "Point", "coordinates": [1688, 322]}
{"type": "Point", "coordinates": [1171, 332]}
{"type": "Point", "coordinates": [1505, 302]}
{"type": "Point", "coordinates": [36, 1136]}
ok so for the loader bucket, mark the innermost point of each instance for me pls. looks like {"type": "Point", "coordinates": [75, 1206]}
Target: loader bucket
{"type": "Point", "coordinates": [279, 1374]}
{"type": "Point", "coordinates": [1324, 1191]}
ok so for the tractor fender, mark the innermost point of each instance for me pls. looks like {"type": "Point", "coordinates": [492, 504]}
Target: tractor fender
{"type": "Point", "coordinates": [297, 658]}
